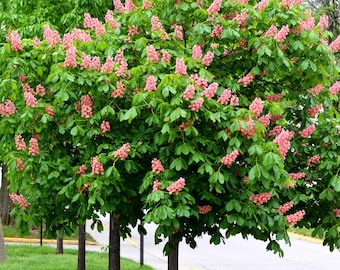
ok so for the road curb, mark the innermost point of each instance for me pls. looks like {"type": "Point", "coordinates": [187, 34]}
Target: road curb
{"type": "Point", "coordinates": [305, 238]}
{"type": "Point", "coordinates": [45, 241]}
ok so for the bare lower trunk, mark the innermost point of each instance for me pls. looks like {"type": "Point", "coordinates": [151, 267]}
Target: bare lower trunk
{"type": "Point", "coordinates": [3, 256]}
{"type": "Point", "coordinates": [6, 204]}
{"type": "Point", "coordinates": [173, 256]}
{"type": "Point", "coordinates": [60, 245]}
{"type": "Point", "coordinates": [81, 247]}
{"type": "Point", "coordinates": [114, 245]}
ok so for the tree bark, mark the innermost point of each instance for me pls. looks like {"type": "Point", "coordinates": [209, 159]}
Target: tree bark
{"type": "Point", "coordinates": [60, 244]}
{"type": "Point", "coordinates": [6, 204]}
{"type": "Point", "coordinates": [173, 256]}
{"type": "Point", "coordinates": [114, 244]}
{"type": "Point", "coordinates": [81, 247]}
{"type": "Point", "coordinates": [3, 256]}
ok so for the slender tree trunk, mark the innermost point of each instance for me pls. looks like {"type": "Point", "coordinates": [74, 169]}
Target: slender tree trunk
{"type": "Point", "coordinates": [173, 256]}
{"type": "Point", "coordinates": [60, 244]}
{"type": "Point", "coordinates": [81, 247]}
{"type": "Point", "coordinates": [6, 204]}
{"type": "Point", "coordinates": [114, 245]}
{"type": "Point", "coordinates": [3, 256]}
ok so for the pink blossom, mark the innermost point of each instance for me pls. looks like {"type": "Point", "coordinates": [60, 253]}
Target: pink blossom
{"type": "Point", "coordinates": [123, 151]}
{"type": "Point", "coordinates": [275, 131]}
{"type": "Point", "coordinates": [108, 65]}
{"type": "Point", "coordinates": [178, 31]}
{"type": "Point", "coordinates": [40, 90]}
{"type": "Point", "coordinates": [283, 141]}
{"type": "Point", "coordinates": [7, 109]}
{"type": "Point", "coordinates": [156, 166]}
{"type": "Point", "coordinates": [272, 31]}
{"type": "Point", "coordinates": [196, 52]}
{"type": "Point", "coordinates": [20, 164]}
{"type": "Point", "coordinates": [249, 131]}
{"type": "Point", "coordinates": [234, 101]}
{"type": "Point", "coordinates": [230, 158]}
{"type": "Point", "coordinates": [19, 142]}
{"type": "Point", "coordinates": [70, 59]}
{"type": "Point", "coordinates": [336, 212]}
{"type": "Point", "coordinates": [97, 166]}
{"type": "Point", "coordinates": [217, 31]}
{"type": "Point", "coordinates": [81, 170]}
{"type": "Point", "coordinates": [314, 160]}
{"type": "Point", "coordinates": [110, 20]}
{"type": "Point", "coordinates": [183, 126]}
{"type": "Point", "coordinates": [51, 36]}
{"type": "Point", "coordinates": [31, 101]}
{"type": "Point", "coordinates": [49, 110]}
{"type": "Point", "coordinates": [339, 130]}
{"type": "Point", "coordinates": [204, 209]}
{"type": "Point", "coordinates": [214, 7]}
{"type": "Point", "coordinates": [119, 6]}
{"type": "Point", "coordinates": [316, 90]}
{"type": "Point", "coordinates": [23, 203]}
{"type": "Point", "coordinates": [105, 126]}
{"type": "Point", "coordinates": [274, 97]}
{"type": "Point", "coordinates": [95, 63]}
{"type": "Point", "coordinates": [86, 106]}
{"type": "Point", "coordinates": [292, 219]}
{"type": "Point", "coordinates": [335, 45]}
{"type": "Point", "coordinates": [36, 42]}
{"type": "Point", "coordinates": [177, 186]}
{"type": "Point", "coordinates": [308, 131]}
{"type": "Point", "coordinates": [80, 35]}
{"type": "Point", "coordinates": [119, 91]}
{"type": "Point", "coordinates": [156, 24]}
{"type": "Point", "coordinates": [210, 91]}
{"type": "Point", "coordinates": [129, 6]}
{"type": "Point", "coordinates": [284, 208]}
{"type": "Point", "coordinates": [156, 185]}
{"type": "Point", "coordinates": [323, 22]}
{"type": "Point", "coordinates": [180, 67]}
{"type": "Point", "coordinates": [260, 198]}
{"type": "Point", "coordinates": [33, 148]}
{"type": "Point", "coordinates": [15, 40]}
{"type": "Point", "coordinates": [150, 83]}
{"type": "Point", "coordinates": [133, 30]}
{"type": "Point", "coordinates": [296, 176]}
{"type": "Point", "coordinates": [286, 4]}
{"type": "Point", "coordinates": [261, 5]}
{"type": "Point", "coordinates": [307, 24]}
{"type": "Point", "coordinates": [314, 110]}
{"type": "Point", "coordinates": [151, 54]}
{"type": "Point", "coordinates": [189, 92]}
{"type": "Point", "coordinates": [247, 79]}
{"type": "Point", "coordinates": [86, 61]}
{"type": "Point", "coordinates": [241, 18]}
{"type": "Point", "coordinates": [147, 4]}
{"type": "Point", "coordinates": [196, 105]}
{"type": "Point", "coordinates": [166, 57]}
{"type": "Point", "coordinates": [199, 82]}
{"type": "Point", "coordinates": [208, 58]}
{"type": "Point", "coordinates": [224, 98]}
{"type": "Point", "coordinates": [282, 34]}
{"type": "Point", "coordinates": [256, 107]}
{"type": "Point", "coordinates": [265, 119]}
{"type": "Point", "coordinates": [334, 89]}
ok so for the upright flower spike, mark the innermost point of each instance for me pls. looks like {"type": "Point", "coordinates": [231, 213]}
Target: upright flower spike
{"type": "Point", "coordinates": [180, 67]}
{"type": "Point", "coordinates": [13, 37]}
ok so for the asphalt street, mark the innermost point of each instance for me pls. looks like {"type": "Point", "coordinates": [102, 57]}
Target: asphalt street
{"type": "Point", "coordinates": [235, 254]}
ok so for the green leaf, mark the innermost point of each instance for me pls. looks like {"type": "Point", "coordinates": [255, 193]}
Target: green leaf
{"type": "Point", "coordinates": [53, 174]}
{"type": "Point", "coordinates": [74, 131]}
{"type": "Point", "coordinates": [335, 183]}
{"type": "Point", "coordinates": [130, 114]}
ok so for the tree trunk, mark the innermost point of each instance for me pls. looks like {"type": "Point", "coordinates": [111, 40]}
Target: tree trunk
{"type": "Point", "coordinates": [173, 256]}
{"type": "Point", "coordinates": [114, 244]}
{"type": "Point", "coordinates": [6, 204]}
{"type": "Point", "coordinates": [81, 247]}
{"type": "Point", "coordinates": [60, 244]}
{"type": "Point", "coordinates": [3, 256]}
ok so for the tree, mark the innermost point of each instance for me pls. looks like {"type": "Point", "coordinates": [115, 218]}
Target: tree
{"type": "Point", "coordinates": [212, 115]}
{"type": "Point", "coordinates": [3, 256]}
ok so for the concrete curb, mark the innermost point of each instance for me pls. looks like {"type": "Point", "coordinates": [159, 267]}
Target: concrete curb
{"type": "Point", "coordinates": [305, 238]}
{"type": "Point", "coordinates": [45, 241]}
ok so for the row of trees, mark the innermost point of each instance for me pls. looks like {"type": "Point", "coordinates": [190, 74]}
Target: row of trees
{"type": "Point", "coordinates": [210, 116]}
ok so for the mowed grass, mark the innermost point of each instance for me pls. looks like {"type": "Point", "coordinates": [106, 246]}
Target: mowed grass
{"type": "Point", "coordinates": [28, 257]}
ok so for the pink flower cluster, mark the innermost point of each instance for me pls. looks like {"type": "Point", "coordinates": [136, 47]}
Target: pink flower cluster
{"type": "Point", "coordinates": [180, 67]}
{"type": "Point", "coordinates": [156, 185]}
{"type": "Point", "coordinates": [196, 52]}
{"type": "Point", "coordinates": [307, 24]}
{"type": "Point", "coordinates": [19, 142]}
{"type": "Point", "coordinates": [261, 5]}
{"type": "Point", "coordinates": [247, 79]}
{"type": "Point", "coordinates": [108, 65]}
{"type": "Point", "coordinates": [217, 31]}
{"type": "Point", "coordinates": [156, 24]}
{"type": "Point", "coordinates": [119, 91]}
{"type": "Point", "coordinates": [7, 109]}
{"type": "Point", "coordinates": [282, 34]}
{"type": "Point", "coordinates": [20, 164]}
{"type": "Point", "coordinates": [23, 203]}
{"type": "Point", "coordinates": [147, 4]}
{"type": "Point", "coordinates": [70, 59]}
{"type": "Point", "coordinates": [274, 97]}
{"type": "Point", "coordinates": [123, 151]}
{"type": "Point", "coordinates": [88, 62]}
{"type": "Point", "coordinates": [81, 170]}
{"type": "Point", "coordinates": [283, 141]}
{"type": "Point", "coordinates": [241, 18]}
{"type": "Point", "coordinates": [86, 106]}
{"type": "Point", "coordinates": [105, 126]}
{"type": "Point", "coordinates": [189, 92]}
{"type": "Point", "coordinates": [292, 219]}
{"type": "Point", "coordinates": [284, 208]}
{"type": "Point", "coordinates": [308, 131]}
{"type": "Point", "coordinates": [296, 176]}
{"type": "Point", "coordinates": [210, 91]}
{"type": "Point", "coordinates": [250, 131]}
{"type": "Point", "coordinates": [110, 20]}
{"type": "Point", "coordinates": [184, 125]}
{"type": "Point", "coordinates": [275, 131]}
{"type": "Point", "coordinates": [177, 186]}
{"type": "Point", "coordinates": [272, 31]}
{"type": "Point", "coordinates": [33, 148]}
{"type": "Point", "coordinates": [323, 22]}
{"type": "Point", "coordinates": [97, 166]}
{"type": "Point", "coordinates": [314, 160]}
{"type": "Point", "coordinates": [15, 40]}
{"type": "Point", "coordinates": [265, 119]}
{"type": "Point", "coordinates": [316, 90]}
{"type": "Point", "coordinates": [335, 45]}
{"type": "Point", "coordinates": [214, 7]}
{"type": "Point", "coordinates": [156, 166]}
{"type": "Point", "coordinates": [150, 83]}
{"type": "Point", "coordinates": [30, 100]}
{"type": "Point", "coordinates": [166, 57]}
{"type": "Point", "coordinates": [224, 98]}
{"type": "Point", "coordinates": [208, 58]}
{"type": "Point", "coordinates": [256, 107]}
{"type": "Point", "coordinates": [204, 209]}
{"type": "Point", "coordinates": [339, 130]}
{"type": "Point", "coordinates": [234, 100]}
{"type": "Point", "coordinates": [94, 24]}
{"type": "Point", "coordinates": [119, 60]}
{"type": "Point", "coordinates": [196, 105]}
{"type": "Point", "coordinates": [314, 110]}
{"type": "Point", "coordinates": [334, 89]}
{"type": "Point", "coordinates": [260, 198]}
{"type": "Point", "coordinates": [51, 36]}
{"type": "Point", "coordinates": [152, 54]}
{"type": "Point", "coordinates": [178, 31]}
{"type": "Point", "coordinates": [336, 212]}
{"type": "Point", "coordinates": [228, 159]}
{"type": "Point", "coordinates": [199, 82]}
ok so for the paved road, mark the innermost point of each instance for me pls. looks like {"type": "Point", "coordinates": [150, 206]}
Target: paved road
{"type": "Point", "coordinates": [236, 254]}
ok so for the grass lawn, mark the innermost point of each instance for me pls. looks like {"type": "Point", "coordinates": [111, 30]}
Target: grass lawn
{"type": "Point", "coordinates": [42, 257]}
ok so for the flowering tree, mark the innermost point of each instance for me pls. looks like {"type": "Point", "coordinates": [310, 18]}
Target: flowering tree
{"type": "Point", "coordinates": [221, 114]}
